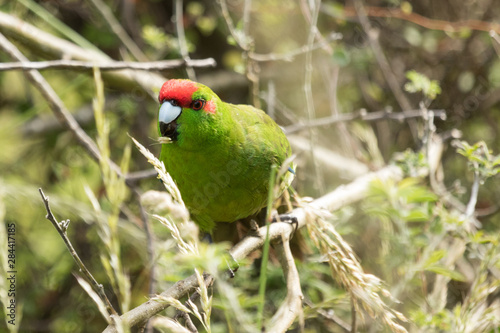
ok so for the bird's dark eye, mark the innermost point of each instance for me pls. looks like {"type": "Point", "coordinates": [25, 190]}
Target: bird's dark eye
{"type": "Point", "coordinates": [198, 104]}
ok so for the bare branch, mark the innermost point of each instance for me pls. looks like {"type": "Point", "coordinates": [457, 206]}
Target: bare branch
{"type": "Point", "coordinates": [411, 16]}
{"type": "Point", "coordinates": [346, 167]}
{"type": "Point", "coordinates": [46, 44]}
{"type": "Point", "coordinates": [471, 205]}
{"type": "Point", "coordinates": [65, 117]}
{"type": "Point", "coordinates": [289, 56]}
{"type": "Point", "coordinates": [292, 305]}
{"type": "Point", "coordinates": [135, 176]}
{"type": "Point", "coordinates": [61, 228]}
{"type": "Point", "coordinates": [63, 114]}
{"type": "Point", "coordinates": [330, 315]}
{"type": "Point", "coordinates": [147, 310]}
{"type": "Point", "coordinates": [181, 37]}
{"type": "Point", "coordinates": [364, 115]}
{"type": "Point", "coordinates": [240, 39]}
{"type": "Point", "coordinates": [385, 67]}
{"type": "Point", "coordinates": [57, 105]}
{"type": "Point", "coordinates": [208, 280]}
{"type": "Point", "coordinates": [108, 65]}
{"type": "Point", "coordinates": [313, 13]}
{"type": "Point", "coordinates": [43, 43]}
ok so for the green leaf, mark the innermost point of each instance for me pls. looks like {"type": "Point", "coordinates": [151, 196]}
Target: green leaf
{"type": "Point", "coordinates": [442, 270]}
{"type": "Point", "coordinates": [434, 258]}
{"type": "Point", "coordinates": [421, 83]}
{"type": "Point", "coordinates": [417, 215]}
{"type": "Point", "coordinates": [341, 56]}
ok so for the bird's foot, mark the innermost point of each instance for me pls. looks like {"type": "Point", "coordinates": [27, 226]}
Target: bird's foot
{"type": "Point", "coordinates": [232, 266]}
{"type": "Point", "coordinates": [207, 238]}
{"type": "Point", "coordinates": [287, 218]}
{"type": "Point", "coordinates": [254, 226]}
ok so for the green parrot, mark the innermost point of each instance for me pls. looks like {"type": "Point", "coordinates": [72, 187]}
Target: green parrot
{"type": "Point", "coordinates": [219, 154]}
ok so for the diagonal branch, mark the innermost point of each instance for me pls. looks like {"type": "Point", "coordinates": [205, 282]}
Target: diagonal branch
{"type": "Point", "coordinates": [43, 43]}
{"type": "Point", "coordinates": [56, 104]}
{"type": "Point", "coordinates": [65, 117]}
{"type": "Point", "coordinates": [61, 229]}
{"type": "Point", "coordinates": [385, 67]}
{"type": "Point", "coordinates": [115, 26]}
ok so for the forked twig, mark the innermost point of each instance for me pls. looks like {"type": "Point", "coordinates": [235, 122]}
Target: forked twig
{"type": "Point", "coordinates": [61, 228]}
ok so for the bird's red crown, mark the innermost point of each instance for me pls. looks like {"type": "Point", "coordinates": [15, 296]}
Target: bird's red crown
{"type": "Point", "coordinates": [179, 90]}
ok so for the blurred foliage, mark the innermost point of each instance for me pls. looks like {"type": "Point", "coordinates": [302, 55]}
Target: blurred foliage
{"type": "Point", "coordinates": [420, 83]}
{"type": "Point", "coordinates": [480, 159]}
{"type": "Point", "coordinates": [444, 275]}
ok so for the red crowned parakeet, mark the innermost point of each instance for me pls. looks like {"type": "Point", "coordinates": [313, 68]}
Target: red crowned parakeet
{"type": "Point", "coordinates": [219, 154]}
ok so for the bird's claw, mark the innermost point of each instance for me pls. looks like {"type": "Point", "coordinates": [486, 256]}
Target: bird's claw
{"type": "Point", "coordinates": [232, 266]}
{"type": "Point", "coordinates": [287, 218]}
{"type": "Point", "coordinates": [254, 226]}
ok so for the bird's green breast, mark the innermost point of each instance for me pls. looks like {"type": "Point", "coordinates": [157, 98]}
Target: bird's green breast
{"type": "Point", "coordinates": [227, 179]}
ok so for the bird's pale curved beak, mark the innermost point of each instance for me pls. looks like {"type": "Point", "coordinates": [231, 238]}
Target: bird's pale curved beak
{"type": "Point", "coordinates": [167, 119]}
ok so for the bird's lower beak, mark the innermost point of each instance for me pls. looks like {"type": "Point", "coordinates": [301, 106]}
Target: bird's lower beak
{"type": "Point", "coordinates": [167, 119]}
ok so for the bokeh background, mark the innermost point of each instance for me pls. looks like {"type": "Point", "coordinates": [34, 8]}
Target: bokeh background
{"type": "Point", "coordinates": [298, 61]}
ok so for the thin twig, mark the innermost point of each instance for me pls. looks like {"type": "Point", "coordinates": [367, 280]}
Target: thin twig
{"type": "Point", "coordinates": [310, 108]}
{"type": "Point", "coordinates": [57, 105]}
{"type": "Point", "coordinates": [150, 241]}
{"type": "Point", "coordinates": [471, 205]}
{"type": "Point", "coordinates": [187, 321]}
{"type": "Point", "coordinates": [56, 24]}
{"type": "Point", "coordinates": [429, 129]}
{"type": "Point", "coordinates": [289, 56]}
{"type": "Point", "coordinates": [43, 43]}
{"type": "Point", "coordinates": [108, 65]}
{"type": "Point", "coordinates": [350, 146]}
{"type": "Point", "coordinates": [246, 17]}
{"type": "Point", "coordinates": [62, 113]}
{"type": "Point", "coordinates": [385, 67]}
{"type": "Point", "coordinates": [67, 119]}
{"type": "Point", "coordinates": [61, 228]}
{"type": "Point", "coordinates": [363, 115]}
{"type": "Point", "coordinates": [496, 44]}
{"type": "Point", "coordinates": [209, 280]}
{"type": "Point", "coordinates": [181, 37]}
{"type": "Point", "coordinates": [412, 16]}
{"type": "Point", "coordinates": [238, 37]}
{"type": "Point", "coordinates": [133, 177]}
{"type": "Point", "coordinates": [354, 324]}
{"type": "Point", "coordinates": [108, 16]}
{"type": "Point", "coordinates": [329, 315]}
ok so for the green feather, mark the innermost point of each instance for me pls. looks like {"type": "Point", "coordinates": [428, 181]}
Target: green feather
{"type": "Point", "coordinates": [221, 161]}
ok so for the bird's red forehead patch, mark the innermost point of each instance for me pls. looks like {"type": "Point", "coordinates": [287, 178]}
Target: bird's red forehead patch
{"type": "Point", "coordinates": [178, 90]}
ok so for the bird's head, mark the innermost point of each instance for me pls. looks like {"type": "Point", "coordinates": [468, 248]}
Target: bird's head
{"type": "Point", "coordinates": [187, 110]}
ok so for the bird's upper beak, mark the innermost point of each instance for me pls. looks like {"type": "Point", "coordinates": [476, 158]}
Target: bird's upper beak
{"type": "Point", "coordinates": [167, 119]}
